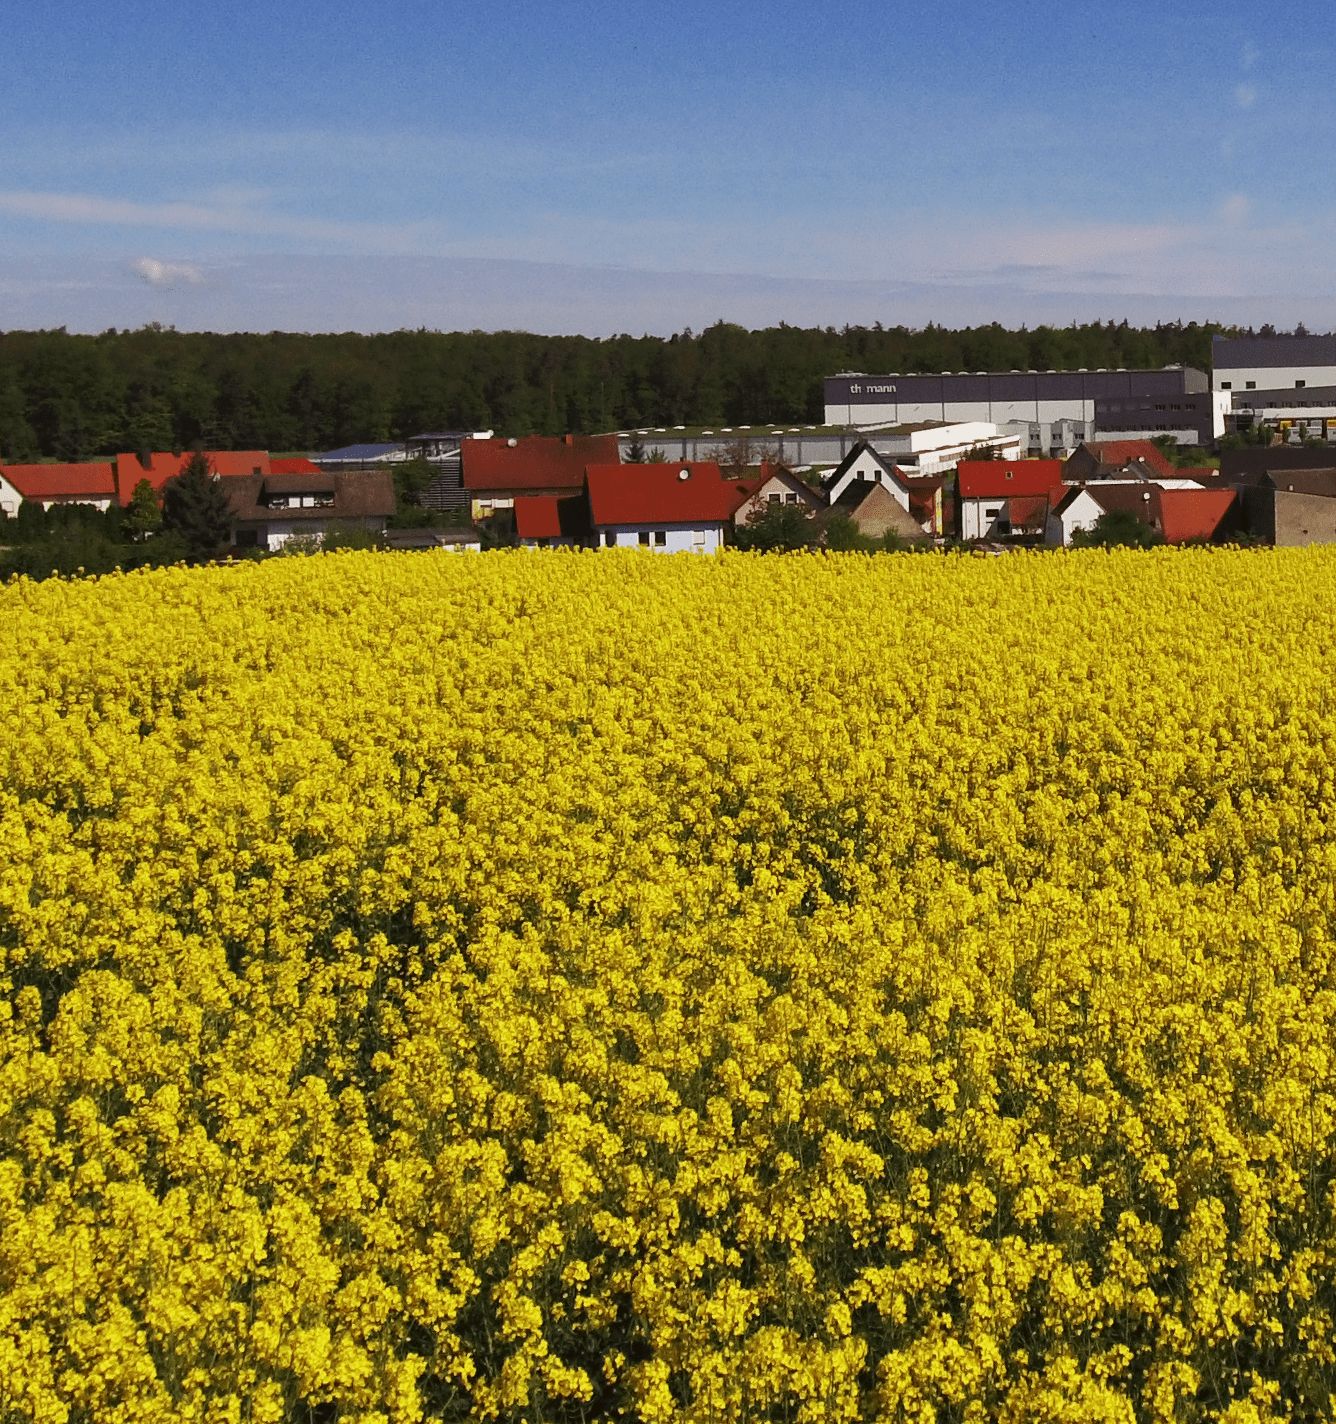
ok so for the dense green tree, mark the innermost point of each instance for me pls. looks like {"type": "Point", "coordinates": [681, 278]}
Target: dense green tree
{"type": "Point", "coordinates": [777, 526]}
{"type": "Point", "coordinates": [74, 397]}
{"type": "Point", "coordinates": [144, 516]}
{"type": "Point", "coordinates": [196, 508]}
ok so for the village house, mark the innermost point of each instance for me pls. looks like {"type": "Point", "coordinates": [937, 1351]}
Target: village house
{"type": "Point", "coordinates": [91, 482]}
{"type": "Point", "coordinates": [773, 486]}
{"type": "Point", "coordinates": [875, 511]}
{"type": "Point", "coordinates": [1003, 499]}
{"type": "Point", "coordinates": [674, 508]}
{"type": "Point", "coordinates": [1290, 507]}
{"type": "Point", "coordinates": [1105, 459]}
{"type": "Point", "coordinates": [268, 510]}
{"type": "Point", "coordinates": [160, 466]}
{"type": "Point", "coordinates": [1177, 509]}
{"type": "Point", "coordinates": [496, 472]}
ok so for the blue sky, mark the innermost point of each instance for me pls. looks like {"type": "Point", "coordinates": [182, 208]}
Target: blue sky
{"type": "Point", "coordinates": [601, 167]}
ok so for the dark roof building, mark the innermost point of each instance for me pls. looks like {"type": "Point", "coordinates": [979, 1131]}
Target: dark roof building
{"type": "Point", "coordinates": [269, 509]}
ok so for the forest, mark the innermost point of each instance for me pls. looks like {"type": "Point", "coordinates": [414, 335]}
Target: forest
{"type": "Point", "coordinates": [73, 397]}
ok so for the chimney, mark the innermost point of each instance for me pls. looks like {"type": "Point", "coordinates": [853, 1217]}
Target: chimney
{"type": "Point", "coordinates": [568, 439]}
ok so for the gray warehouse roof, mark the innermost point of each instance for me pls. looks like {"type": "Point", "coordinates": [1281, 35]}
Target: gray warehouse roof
{"type": "Point", "coordinates": [1231, 352]}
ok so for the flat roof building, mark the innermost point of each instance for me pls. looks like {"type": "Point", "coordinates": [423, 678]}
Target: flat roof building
{"type": "Point", "coordinates": [1271, 363]}
{"type": "Point", "coordinates": [1048, 409]}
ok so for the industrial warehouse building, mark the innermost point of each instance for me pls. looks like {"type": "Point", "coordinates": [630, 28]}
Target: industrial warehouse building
{"type": "Point", "coordinates": [1287, 381]}
{"type": "Point", "coordinates": [1049, 410]}
{"type": "Point", "coordinates": [1272, 363]}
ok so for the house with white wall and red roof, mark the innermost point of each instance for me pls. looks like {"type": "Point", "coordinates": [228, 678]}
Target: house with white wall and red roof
{"type": "Point", "coordinates": [683, 507]}
{"type": "Point", "coordinates": [1000, 499]}
{"type": "Point", "coordinates": [91, 482]}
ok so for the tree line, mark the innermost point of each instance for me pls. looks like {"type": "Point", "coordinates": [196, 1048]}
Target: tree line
{"type": "Point", "coordinates": [74, 397]}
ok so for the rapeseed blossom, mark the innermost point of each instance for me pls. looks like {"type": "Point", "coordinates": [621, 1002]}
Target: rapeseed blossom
{"type": "Point", "coordinates": [559, 987]}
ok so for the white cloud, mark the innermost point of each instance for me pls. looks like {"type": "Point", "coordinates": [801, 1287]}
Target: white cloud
{"type": "Point", "coordinates": [1236, 208]}
{"type": "Point", "coordinates": [1245, 95]}
{"type": "Point", "coordinates": [1251, 54]}
{"type": "Point", "coordinates": [167, 274]}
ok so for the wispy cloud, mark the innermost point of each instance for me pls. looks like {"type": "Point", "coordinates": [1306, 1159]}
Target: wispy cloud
{"type": "Point", "coordinates": [167, 274]}
{"type": "Point", "coordinates": [1236, 208]}
{"type": "Point", "coordinates": [228, 216]}
{"type": "Point", "coordinates": [1245, 95]}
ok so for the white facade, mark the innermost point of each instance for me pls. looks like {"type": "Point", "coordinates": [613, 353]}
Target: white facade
{"type": "Point", "coordinates": [979, 517]}
{"type": "Point", "coordinates": [869, 466]}
{"type": "Point", "coordinates": [10, 498]}
{"type": "Point", "coordinates": [1080, 514]}
{"type": "Point", "coordinates": [277, 532]}
{"type": "Point", "coordinates": [1271, 378]}
{"type": "Point", "coordinates": [664, 538]}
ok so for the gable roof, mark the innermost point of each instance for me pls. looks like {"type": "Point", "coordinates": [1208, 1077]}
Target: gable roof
{"type": "Point", "coordinates": [1006, 479]}
{"type": "Point", "coordinates": [1119, 453]}
{"type": "Point", "coordinates": [1193, 514]}
{"type": "Point", "coordinates": [786, 477]}
{"type": "Point", "coordinates": [536, 462]}
{"type": "Point", "coordinates": [550, 516]}
{"type": "Point", "coordinates": [1180, 513]}
{"type": "Point", "coordinates": [83, 480]}
{"type": "Point", "coordinates": [684, 492]}
{"type": "Point", "coordinates": [871, 502]}
{"type": "Point", "coordinates": [292, 465]}
{"type": "Point", "coordinates": [364, 494]}
{"type": "Point", "coordinates": [1314, 481]}
{"type": "Point", "coordinates": [1249, 465]}
{"type": "Point", "coordinates": [317, 482]}
{"type": "Point", "coordinates": [860, 448]}
{"type": "Point", "coordinates": [164, 465]}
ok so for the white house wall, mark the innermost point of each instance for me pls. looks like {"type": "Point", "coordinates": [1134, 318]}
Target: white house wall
{"type": "Point", "coordinates": [680, 538]}
{"type": "Point", "coordinates": [979, 516]}
{"type": "Point", "coordinates": [1080, 514]}
{"type": "Point", "coordinates": [10, 498]}
{"type": "Point", "coordinates": [868, 467]}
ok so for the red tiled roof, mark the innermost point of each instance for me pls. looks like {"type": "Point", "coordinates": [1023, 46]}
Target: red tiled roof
{"type": "Point", "coordinates": [292, 465]}
{"type": "Point", "coordinates": [552, 516]}
{"type": "Point", "coordinates": [536, 517]}
{"type": "Point", "coordinates": [1007, 479]}
{"type": "Point", "coordinates": [536, 462]}
{"type": "Point", "coordinates": [1028, 511]}
{"type": "Point", "coordinates": [1193, 514]}
{"type": "Point", "coordinates": [657, 494]}
{"type": "Point", "coordinates": [1123, 452]}
{"type": "Point", "coordinates": [89, 479]}
{"type": "Point", "coordinates": [166, 465]}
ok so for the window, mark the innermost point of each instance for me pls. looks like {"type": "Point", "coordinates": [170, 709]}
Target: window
{"type": "Point", "coordinates": [1299, 385]}
{"type": "Point", "coordinates": [790, 499]}
{"type": "Point", "coordinates": [1226, 385]}
{"type": "Point", "coordinates": [644, 538]}
{"type": "Point", "coordinates": [660, 538]}
{"type": "Point", "coordinates": [698, 538]}
{"type": "Point", "coordinates": [772, 499]}
{"type": "Point", "coordinates": [1250, 385]}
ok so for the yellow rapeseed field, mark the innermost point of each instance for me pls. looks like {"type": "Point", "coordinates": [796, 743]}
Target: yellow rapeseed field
{"type": "Point", "coordinates": [615, 987]}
